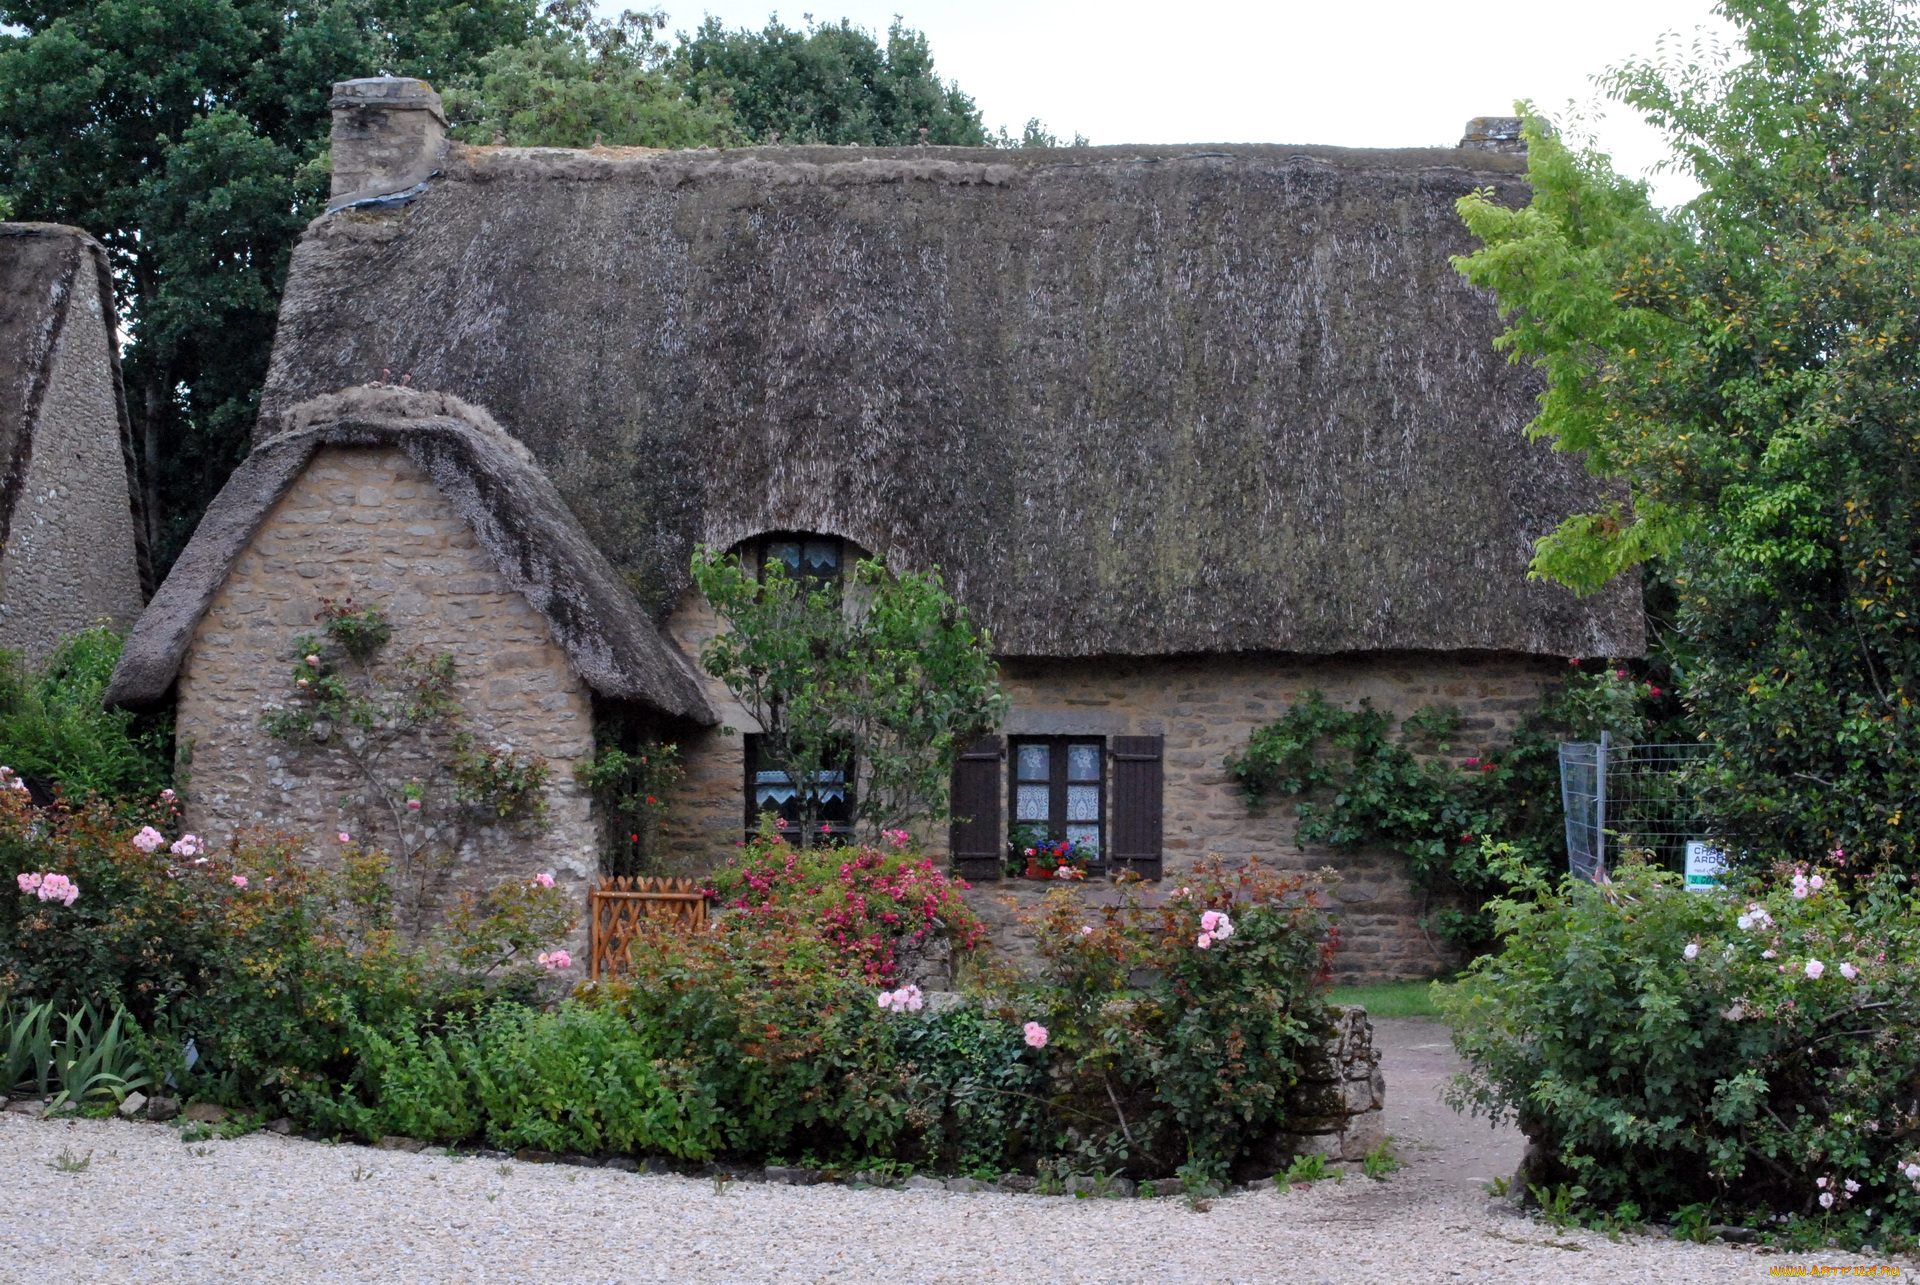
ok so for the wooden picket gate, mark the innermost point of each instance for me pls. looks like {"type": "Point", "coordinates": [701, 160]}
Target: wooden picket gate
{"type": "Point", "coordinates": [623, 906]}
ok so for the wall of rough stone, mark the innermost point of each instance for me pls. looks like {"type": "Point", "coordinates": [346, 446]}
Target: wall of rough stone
{"type": "Point", "coordinates": [70, 560]}
{"type": "Point", "coordinates": [1205, 708]}
{"type": "Point", "coordinates": [366, 524]}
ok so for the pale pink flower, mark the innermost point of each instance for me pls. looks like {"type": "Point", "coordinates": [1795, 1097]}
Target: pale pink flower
{"type": "Point", "coordinates": [58, 888]}
{"type": "Point", "coordinates": [187, 845]}
{"type": "Point", "coordinates": [1205, 941]}
{"type": "Point", "coordinates": [1815, 968]}
{"type": "Point", "coordinates": [1692, 951]}
{"type": "Point", "coordinates": [1816, 883]}
{"type": "Point", "coordinates": [1826, 1200]}
{"type": "Point", "coordinates": [543, 879]}
{"type": "Point", "coordinates": [1819, 1182]}
{"type": "Point", "coordinates": [345, 837]}
{"type": "Point", "coordinates": [1853, 1188]}
{"type": "Point", "coordinates": [1848, 971]}
{"type": "Point", "coordinates": [886, 999]}
{"type": "Point", "coordinates": [167, 795]}
{"type": "Point", "coordinates": [149, 839]}
{"type": "Point", "coordinates": [1210, 920]}
{"type": "Point", "coordinates": [1225, 930]}
{"type": "Point", "coordinates": [29, 882]}
{"type": "Point", "coordinates": [557, 960]}
{"type": "Point", "coordinates": [313, 660]}
{"type": "Point", "coordinates": [239, 881]}
{"type": "Point", "coordinates": [1036, 1035]}
{"type": "Point", "coordinates": [1800, 887]}
{"type": "Point", "coordinates": [1086, 930]}
{"type": "Point", "coordinates": [1912, 1172]}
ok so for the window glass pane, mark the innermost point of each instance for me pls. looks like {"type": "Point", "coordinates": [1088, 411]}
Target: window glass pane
{"type": "Point", "coordinates": [1083, 762]}
{"type": "Point", "coordinates": [787, 551]}
{"type": "Point", "coordinates": [822, 557]}
{"type": "Point", "coordinates": [1034, 763]}
{"type": "Point", "coordinates": [1033, 803]}
{"type": "Point", "coordinates": [1083, 803]}
{"type": "Point", "coordinates": [1089, 834]}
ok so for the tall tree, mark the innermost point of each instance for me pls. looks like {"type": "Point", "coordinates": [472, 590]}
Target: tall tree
{"type": "Point", "coordinates": [832, 83]}
{"type": "Point", "coordinates": [189, 136]}
{"type": "Point", "coordinates": [1750, 367]}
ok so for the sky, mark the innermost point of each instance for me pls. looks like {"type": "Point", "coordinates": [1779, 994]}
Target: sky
{"type": "Point", "coordinates": [1363, 73]}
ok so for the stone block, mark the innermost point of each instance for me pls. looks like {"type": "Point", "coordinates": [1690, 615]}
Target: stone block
{"type": "Point", "coordinates": [131, 1105]}
{"type": "Point", "coordinates": [162, 1108]}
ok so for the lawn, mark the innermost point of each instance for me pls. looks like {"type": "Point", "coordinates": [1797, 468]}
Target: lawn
{"type": "Point", "coordinates": [1392, 999]}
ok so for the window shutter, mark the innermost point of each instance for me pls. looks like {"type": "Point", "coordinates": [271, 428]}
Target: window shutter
{"type": "Point", "coordinates": [976, 838]}
{"type": "Point", "coordinates": [1134, 838]}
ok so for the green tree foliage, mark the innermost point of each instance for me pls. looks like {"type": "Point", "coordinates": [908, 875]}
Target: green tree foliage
{"type": "Point", "coordinates": [56, 731]}
{"type": "Point", "coordinates": [832, 83]}
{"type": "Point", "coordinates": [893, 672]}
{"type": "Point", "coordinates": [586, 80]}
{"type": "Point", "coordinates": [1748, 367]}
{"type": "Point", "coordinates": [190, 138]}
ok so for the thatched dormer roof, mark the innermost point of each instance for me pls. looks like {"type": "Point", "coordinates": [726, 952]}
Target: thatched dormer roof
{"type": "Point", "coordinates": [1134, 400]}
{"type": "Point", "coordinates": [492, 482]}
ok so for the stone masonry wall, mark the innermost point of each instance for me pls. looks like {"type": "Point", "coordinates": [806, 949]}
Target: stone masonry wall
{"type": "Point", "coordinates": [1205, 707]}
{"type": "Point", "coordinates": [366, 524]}
{"type": "Point", "coordinates": [70, 561]}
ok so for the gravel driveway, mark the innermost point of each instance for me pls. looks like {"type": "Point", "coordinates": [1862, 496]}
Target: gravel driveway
{"type": "Point", "coordinates": [267, 1209]}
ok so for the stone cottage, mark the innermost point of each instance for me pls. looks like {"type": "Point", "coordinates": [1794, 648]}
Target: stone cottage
{"type": "Point", "coordinates": [1191, 430]}
{"type": "Point", "coordinates": [72, 543]}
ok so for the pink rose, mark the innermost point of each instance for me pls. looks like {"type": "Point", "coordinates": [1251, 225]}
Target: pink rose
{"type": "Point", "coordinates": [167, 795]}
{"type": "Point", "coordinates": [1849, 972]}
{"type": "Point", "coordinates": [149, 839]}
{"type": "Point", "coordinates": [29, 882]}
{"type": "Point", "coordinates": [1815, 968]}
{"type": "Point", "coordinates": [557, 960]}
{"type": "Point", "coordinates": [187, 845]}
{"type": "Point", "coordinates": [1205, 942]}
{"type": "Point", "coordinates": [345, 837]}
{"type": "Point", "coordinates": [1036, 1035]}
{"type": "Point", "coordinates": [543, 879]}
{"type": "Point", "coordinates": [239, 881]}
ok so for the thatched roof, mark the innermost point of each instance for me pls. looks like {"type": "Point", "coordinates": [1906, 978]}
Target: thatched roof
{"type": "Point", "coordinates": [492, 482]}
{"type": "Point", "coordinates": [40, 264]}
{"type": "Point", "coordinates": [1134, 400]}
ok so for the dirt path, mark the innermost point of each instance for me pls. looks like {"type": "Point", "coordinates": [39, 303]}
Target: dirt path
{"type": "Point", "coordinates": [1434, 1140]}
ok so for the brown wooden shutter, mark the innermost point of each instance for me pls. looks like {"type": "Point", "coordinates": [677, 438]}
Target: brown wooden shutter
{"type": "Point", "coordinates": [977, 839]}
{"type": "Point", "coordinates": [1134, 828]}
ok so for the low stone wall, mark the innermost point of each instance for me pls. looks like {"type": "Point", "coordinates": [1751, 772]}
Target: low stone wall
{"type": "Point", "coordinates": [1339, 1107]}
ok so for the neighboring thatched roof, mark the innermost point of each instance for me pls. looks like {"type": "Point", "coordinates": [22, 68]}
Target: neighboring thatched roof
{"type": "Point", "coordinates": [1134, 400]}
{"type": "Point", "coordinates": [492, 482]}
{"type": "Point", "coordinates": [39, 265]}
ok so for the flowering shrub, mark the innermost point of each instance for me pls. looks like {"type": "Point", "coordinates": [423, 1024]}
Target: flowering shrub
{"type": "Point", "coordinates": [1755, 1052]}
{"type": "Point", "coordinates": [863, 903]}
{"type": "Point", "coordinates": [1173, 1027]}
{"type": "Point", "coordinates": [261, 960]}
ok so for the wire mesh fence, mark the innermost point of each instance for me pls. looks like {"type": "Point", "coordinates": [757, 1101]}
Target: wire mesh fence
{"type": "Point", "coordinates": [1621, 796]}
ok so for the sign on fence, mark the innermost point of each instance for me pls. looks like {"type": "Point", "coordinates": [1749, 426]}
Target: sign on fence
{"type": "Point", "coordinates": [1704, 864]}
{"type": "Point", "coordinates": [620, 908]}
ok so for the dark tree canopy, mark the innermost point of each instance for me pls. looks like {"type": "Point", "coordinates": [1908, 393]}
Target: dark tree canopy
{"type": "Point", "coordinates": [832, 83]}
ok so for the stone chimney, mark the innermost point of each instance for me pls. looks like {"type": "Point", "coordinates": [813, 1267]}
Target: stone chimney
{"type": "Point", "coordinates": [1484, 134]}
{"type": "Point", "coordinates": [389, 134]}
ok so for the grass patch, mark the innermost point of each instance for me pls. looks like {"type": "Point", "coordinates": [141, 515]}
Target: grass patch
{"type": "Point", "coordinates": [1393, 999]}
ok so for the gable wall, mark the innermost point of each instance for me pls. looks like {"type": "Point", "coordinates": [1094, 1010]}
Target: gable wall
{"type": "Point", "coordinates": [367, 524]}
{"type": "Point", "coordinates": [70, 560]}
{"type": "Point", "coordinates": [1205, 708]}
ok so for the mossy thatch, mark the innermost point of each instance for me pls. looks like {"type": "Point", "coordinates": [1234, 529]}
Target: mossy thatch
{"type": "Point", "coordinates": [492, 482]}
{"type": "Point", "coordinates": [1134, 400]}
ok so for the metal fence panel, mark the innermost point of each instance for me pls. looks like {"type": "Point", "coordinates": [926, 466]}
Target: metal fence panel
{"type": "Point", "coordinates": [1621, 796]}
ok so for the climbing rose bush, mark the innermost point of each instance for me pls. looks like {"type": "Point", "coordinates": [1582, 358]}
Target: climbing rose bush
{"type": "Point", "coordinates": [1756, 1051]}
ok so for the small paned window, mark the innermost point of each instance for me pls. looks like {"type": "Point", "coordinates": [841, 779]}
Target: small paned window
{"type": "Point", "coordinates": [1059, 785]}
{"type": "Point", "coordinates": [770, 789]}
{"type": "Point", "coordinates": [813, 560]}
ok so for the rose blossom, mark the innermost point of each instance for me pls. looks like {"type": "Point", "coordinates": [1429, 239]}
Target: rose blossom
{"type": "Point", "coordinates": [187, 845]}
{"type": "Point", "coordinates": [1692, 951]}
{"type": "Point", "coordinates": [345, 837]}
{"type": "Point", "coordinates": [1848, 971]}
{"type": "Point", "coordinates": [1815, 968]}
{"type": "Point", "coordinates": [558, 959]}
{"type": "Point", "coordinates": [1205, 941]}
{"type": "Point", "coordinates": [29, 882]}
{"type": "Point", "coordinates": [1826, 1200]}
{"type": "Point", "coordinates": [239, 881]}
{"type": "Point", "coordinates": [149, 839]}
{"type": "Point", "coordinates": [1036, 1035]}
{"type": "Point", "coordinates": [543, 879]}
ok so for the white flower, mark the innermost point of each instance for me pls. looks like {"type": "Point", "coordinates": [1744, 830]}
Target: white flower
{"type": "Point", "coordinates": [1766, 954]}
{"type": "Point", "coordinates": [1853, 1188]}
{"type": "Point", "coordinates": [1816, 883]}
{"type": "Point", "coordinates": [1826, 1200]}
{"type": "Point", "coordinates": [1912, 1171]}
{"type": "Point", "coordinates": [1692, 951]}
{"type": "Point", "coordinates": [1815, 968]}
{"type": "Point", "coordinates": [1819, 1182]}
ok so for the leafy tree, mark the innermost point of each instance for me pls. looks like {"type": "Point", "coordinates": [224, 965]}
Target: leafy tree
{"type": "Point", "coordinates": [584, 81]}
{"type": "Point", "coordinates": [893, 672]}
{"type": "Point", "coordinates": [56, 731]}
{"type": "Point", "coordinates": [190, 138]}
{"type": "Point", "coordinates": [1750, 367]}
{"type": "Point", "coordinates": [828, 84]}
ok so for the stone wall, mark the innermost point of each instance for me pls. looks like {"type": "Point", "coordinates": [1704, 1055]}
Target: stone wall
{"type": "Point", "coordinates": [366, 524]}
{"type": "Point", "coordinates": [70, 560]}
{"type": "Point", "coordinates": [1205, 708]}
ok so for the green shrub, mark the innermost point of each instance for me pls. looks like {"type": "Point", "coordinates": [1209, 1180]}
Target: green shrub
{"type": "Point", "coordinates": [265, 964]}
{"type": "Point", "coordinates": [55, 728]}
{"type": "Point", "coordinates": [1170, 1045]}
{"type": "Point", "coordinates": [1754, 1052]}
